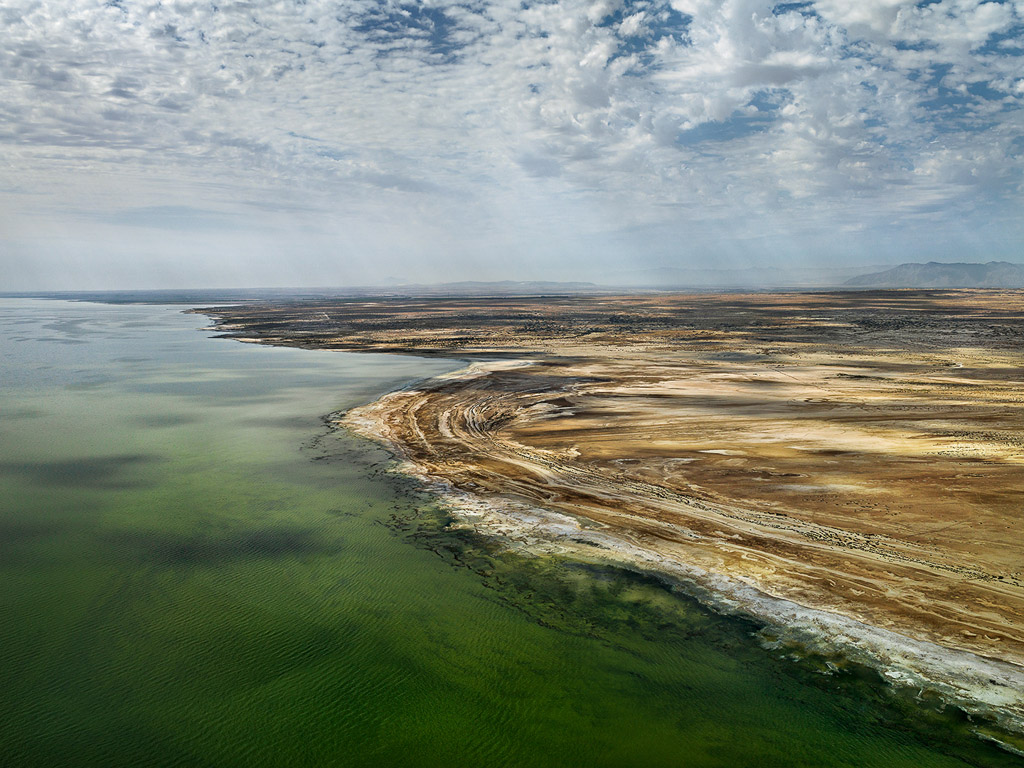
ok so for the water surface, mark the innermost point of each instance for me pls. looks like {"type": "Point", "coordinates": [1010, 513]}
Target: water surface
{"type": "Point", "coordinates": [196, 571]}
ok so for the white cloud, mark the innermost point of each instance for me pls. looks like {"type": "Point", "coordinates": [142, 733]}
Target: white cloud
{"type": "Point", "coordinates": [497, 131]}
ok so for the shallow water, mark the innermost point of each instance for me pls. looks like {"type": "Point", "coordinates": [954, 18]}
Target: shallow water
{"type": "Point", "coordinates": [196, 571]}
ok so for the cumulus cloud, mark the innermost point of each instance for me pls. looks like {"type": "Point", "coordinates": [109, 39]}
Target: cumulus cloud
{"type": "Point", "coordinates": [490, 135]}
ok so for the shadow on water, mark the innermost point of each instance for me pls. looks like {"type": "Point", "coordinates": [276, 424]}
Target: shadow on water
{"type": "Point", "coordinates": [163, 548]}
{"type": "Point", "coordinates": [160, 420]}
{"type": "Point", "coordinates": [14, 532]}
{"type": "Point", "coordinates": [99, 472]}
{"type": "Point", "coordinates": [56, 340]}
{"type": "Point", "coordinates": [23, 413]}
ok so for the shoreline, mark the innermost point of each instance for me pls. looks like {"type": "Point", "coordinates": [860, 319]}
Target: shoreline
{"type": "Point", "coordinates": [845, 467]}
{"type": "Point", "coordinates": [978, 684]}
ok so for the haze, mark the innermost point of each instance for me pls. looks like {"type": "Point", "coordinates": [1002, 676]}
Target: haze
{"type": "Point", "coordinates": [156, 145]}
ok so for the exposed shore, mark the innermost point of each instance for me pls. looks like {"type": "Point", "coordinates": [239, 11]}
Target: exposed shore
{"type": "Point", "coordinates": [976, 683]}
{"type": "Point", "coordinates": [844, 466]}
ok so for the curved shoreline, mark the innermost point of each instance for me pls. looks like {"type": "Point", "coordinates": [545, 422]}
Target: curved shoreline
{"type": "Point", "coordinates": [976, 683]}
{"type": "Point", "coordinates": [851, 463]}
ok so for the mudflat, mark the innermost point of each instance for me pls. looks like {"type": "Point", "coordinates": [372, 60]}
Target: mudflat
{"type": "Point", "coordinates": [856, 452]}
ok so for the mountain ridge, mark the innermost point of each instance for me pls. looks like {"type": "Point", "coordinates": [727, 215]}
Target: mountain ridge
{"type": "Point", "coordinates": [934, 274]}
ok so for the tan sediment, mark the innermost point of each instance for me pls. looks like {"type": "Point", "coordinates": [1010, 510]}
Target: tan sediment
{"type": "Point", "coordinates": [541, 503]}
{"type": "Point", "coordinates": [847, 465]}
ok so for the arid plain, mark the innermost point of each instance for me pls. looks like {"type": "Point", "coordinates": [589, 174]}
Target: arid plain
{"type": "Point", "coordinates": [856, 452]}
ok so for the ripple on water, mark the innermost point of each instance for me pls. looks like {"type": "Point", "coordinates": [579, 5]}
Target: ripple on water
{"type": "Point", "coordinates": [191, 589]}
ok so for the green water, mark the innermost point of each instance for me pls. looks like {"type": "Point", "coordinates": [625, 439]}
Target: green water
{"type": "Point", "coordinates": [195, 571]}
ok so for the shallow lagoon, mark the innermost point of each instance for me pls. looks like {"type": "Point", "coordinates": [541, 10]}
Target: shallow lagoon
{"type": "Point", "coordinates": [197, 572]}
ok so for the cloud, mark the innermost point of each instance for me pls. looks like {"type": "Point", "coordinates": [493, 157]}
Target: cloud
{"type": "Point", "coordinates": [498, 129]}
{"type": "Point", "coordinates": [172, 217]}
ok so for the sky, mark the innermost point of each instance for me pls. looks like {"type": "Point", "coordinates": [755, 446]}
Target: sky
{"type": "Point", "coordinates": [309, 143]}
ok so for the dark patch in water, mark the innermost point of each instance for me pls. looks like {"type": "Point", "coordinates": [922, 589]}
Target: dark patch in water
{"type": "Point", "coordinates": [55, 340]}
{"type": "Point", "coordinates": [210, 549]}
{"type": "Point", "coordinates": [336, 512]}
{"type": "Point", "coordinates": [102, 472]}
{"type": "Point", "coordinates": [88, 384]}
{"type": "Point", "coordinates": [225, 392]}
{"type": "Point", "coordinates": [283, 422]}
{"type": "Point", "coordinates": [165, 420]}
{"type": "Point", "coordinates": [11, 414]}
{"type": "Point", "coordinates": [14, 532]}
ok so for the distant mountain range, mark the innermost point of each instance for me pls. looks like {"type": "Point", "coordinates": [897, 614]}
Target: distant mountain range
{"type": "Point", "coordinates": [753, 277]}
{"type": "Point", "coordinates": [994, 274]}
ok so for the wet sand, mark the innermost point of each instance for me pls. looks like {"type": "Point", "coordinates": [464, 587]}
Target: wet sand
{"type": "Point", "coordinates": [846, 463]}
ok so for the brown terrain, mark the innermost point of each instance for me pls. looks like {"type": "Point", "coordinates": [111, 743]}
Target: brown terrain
{"type": "Point", "coordinates": [857, 452]}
